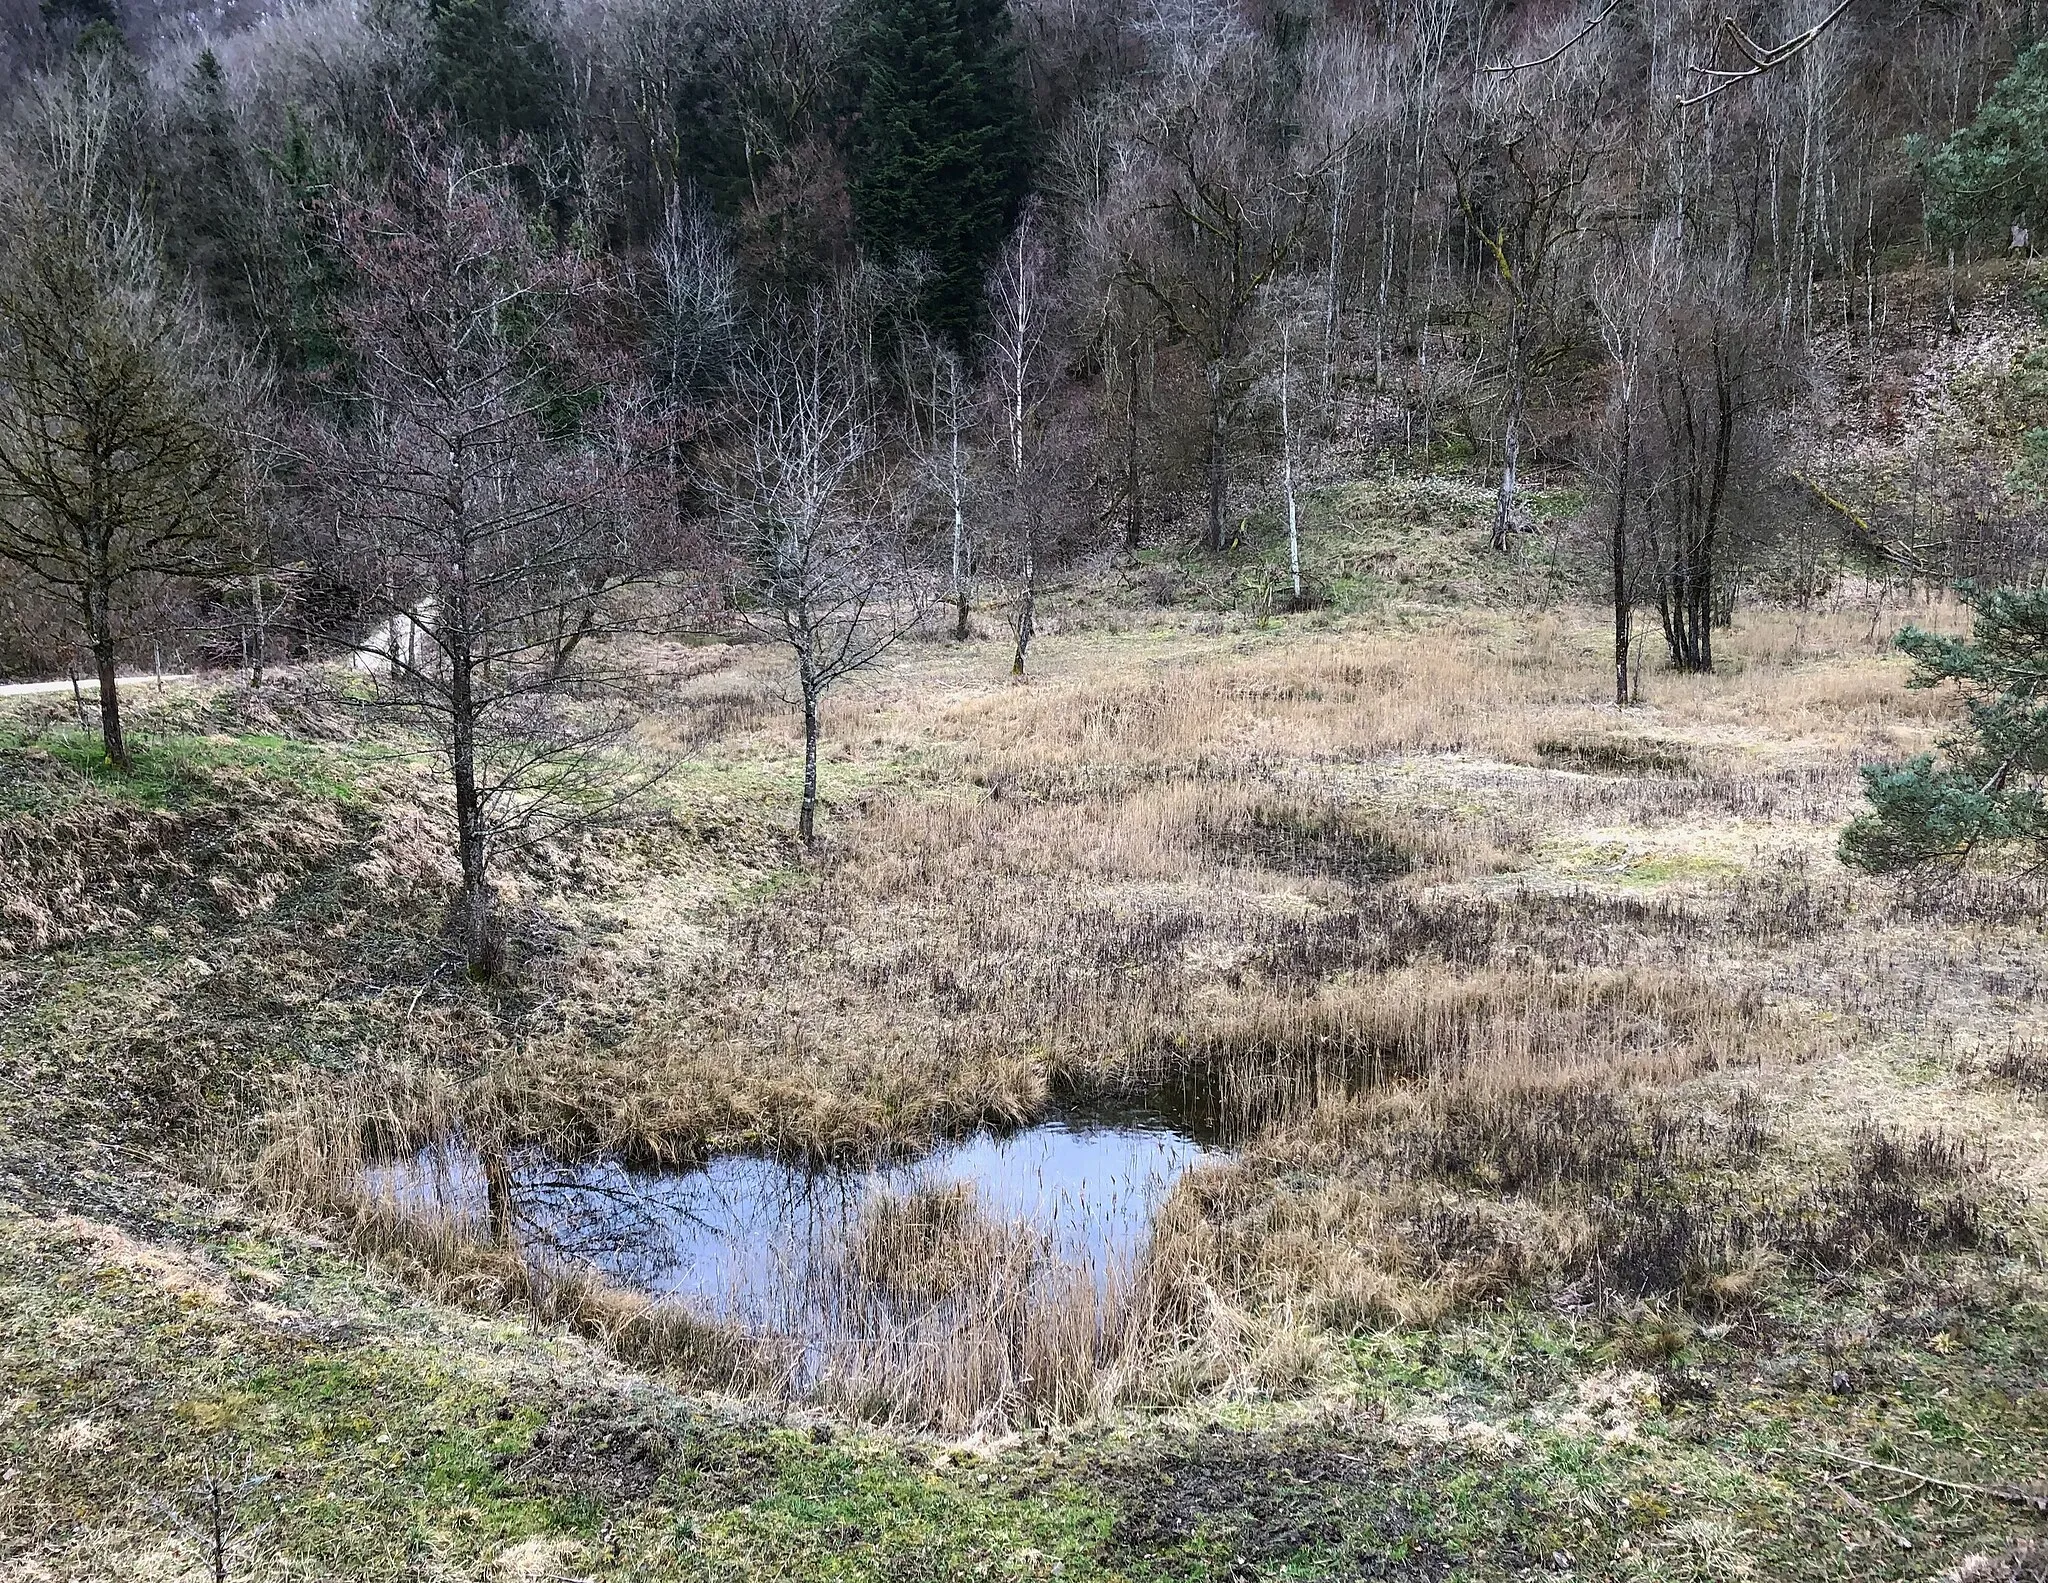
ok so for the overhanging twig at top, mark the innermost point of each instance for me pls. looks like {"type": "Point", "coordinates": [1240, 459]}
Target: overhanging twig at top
{"type": "Point", "coordinates": [1557, 54]}
{"type": "Point", "coordinates": [1762, 57]}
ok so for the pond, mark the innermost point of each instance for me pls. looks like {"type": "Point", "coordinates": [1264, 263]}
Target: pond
{"type": "Point", "coordinates": [812, 1255]}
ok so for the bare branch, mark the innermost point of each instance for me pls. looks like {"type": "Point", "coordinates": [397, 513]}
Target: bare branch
{"type": "Point", "coordinates": [1558, 53]}
{"type": "Point", "coordinates": [1762, 57]}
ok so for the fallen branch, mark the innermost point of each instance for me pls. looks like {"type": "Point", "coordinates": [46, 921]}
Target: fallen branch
{"type": "Point", "coordinates": [1834, 1482]}
{"type": "Point", "coordinates": [2035, 1500]}
{"type": "Point", "coordinates": [1903, 556]}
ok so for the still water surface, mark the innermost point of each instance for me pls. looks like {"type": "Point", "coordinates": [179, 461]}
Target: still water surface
{"type": "Point", "coordinates": [762, 1242]}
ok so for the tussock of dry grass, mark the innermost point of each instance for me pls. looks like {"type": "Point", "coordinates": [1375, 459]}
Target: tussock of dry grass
{"type": "Point", "coordinates": [1398, 1206]}
{"type": "Point", "coordinates": [1018, 1347]}
{"type": "Point", "coordinates": [934, 1241]}
{"type": "Point", "coordinates": [961, 1321]}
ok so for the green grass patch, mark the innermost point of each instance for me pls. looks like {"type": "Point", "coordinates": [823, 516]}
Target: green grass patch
{"type": "Point", "coordinates": [176, 771]}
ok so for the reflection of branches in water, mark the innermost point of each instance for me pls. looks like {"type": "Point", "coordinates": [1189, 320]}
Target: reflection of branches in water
{"type": "Point", "coordinates": [592, 1223]}
{"type": "Point", "coordinates": [632, 1226]}
{"type": "Point", "coordinates": [763, 1244]}
{"type": "Point", "coordinates": [602, 1216]}
{"type": "Point", "coordinates": [1035, 1298]}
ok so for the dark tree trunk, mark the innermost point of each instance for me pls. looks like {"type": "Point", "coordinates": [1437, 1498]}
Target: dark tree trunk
{"type": "Point", "coordinates": [477, 924]}
{"type": "Point", "coordinates": [1701, 428]}
{"type": "Point", "coordinates": [1618, 553]}
{"type": "Point", "coordinates": [110, 708]}
{"type": "Point", "coordinates": [500, 1212]}
{"type": "Point", "coordinates": [1621, 605]}
{"type": "Point", "coordinates": [960, 615]}
{"type": "Point", "coordinates": [1219, 458]}
{"type": "Point", "coordinates": [1687, 608]}
{"type": "Point", "coordinates": [567, 643]}
{"type": "Point", "coordinates": [1134, 481]}
{"type": "Point", "coordinates": [261, 613]}
{"type": "Point", "coordinates": [807, 816]}
{"type": "Point", "coordinates": [217, 1510]}
{"type": "Point", "coordinates": [100, 633]}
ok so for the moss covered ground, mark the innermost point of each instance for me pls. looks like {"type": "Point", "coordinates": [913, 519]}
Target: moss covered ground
{"type": "Point", "coordinates": [353, 1429]}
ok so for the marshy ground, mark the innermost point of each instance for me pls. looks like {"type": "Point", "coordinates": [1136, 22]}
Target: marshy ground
{"type": "Point", "coordinates": [1616, 1186]}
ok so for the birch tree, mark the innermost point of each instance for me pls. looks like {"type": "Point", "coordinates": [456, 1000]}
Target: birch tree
{"type": "Point", "coordinates": [812, 503]}
{"type": "Point", "coordinates": [944, 410]}
{"type": "Point", "coordinates": [696, 324]}
{"type": "Point", "coordinates": [1019, 354]}
{"type": "Point", "coordinates": [1287, 462]}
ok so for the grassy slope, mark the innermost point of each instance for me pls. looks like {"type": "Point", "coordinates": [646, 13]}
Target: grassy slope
{"type": "Point", "coordinates": [150, 1333]}
{"type": "Point", "coordinates": [395, 1437]}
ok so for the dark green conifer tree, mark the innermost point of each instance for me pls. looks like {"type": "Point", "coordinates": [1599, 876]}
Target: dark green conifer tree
{"type": "Point", "coordinates": [1987, 789]}
{"type": "Point", "coordinates": [1990, 181]}
{"type": "Point", "coordinates": [492, 71]}
{"type": "Point", "coordinates": [303, 326]}
{"type": "Point", "coordinates": [211, 203]}
{"type": "Point", "coordinates": [1994, 172]}
{"type": "Point", "coordinates": [87, 27]}
{"type": "Point", "coordinates": [941, 145]}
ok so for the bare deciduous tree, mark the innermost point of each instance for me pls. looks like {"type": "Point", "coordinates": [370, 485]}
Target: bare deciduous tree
{"type": "Point", "coordinates": [695, 327]}
{"type": "Point", "coordinates": [474, 506]}
{"type": "Point", "coordinates": [1626, 292]}
{"type": "Point", "coordinates": [1522, 182]}
{"type": "Point", "coordinates": [251, 579]}
{"type": "Point", "coordinates": [1707, 372]}
{"type": "Point", "coordinates": [942, 400]}
{"type": "Point", "coordinates": [812, 503]}
{"type": "Point", "coordinates": [1019, 352]}
{"type": "Point", "coordinates": [1218, 206]}
{"type": "Point", "coordinates": [115, 450]}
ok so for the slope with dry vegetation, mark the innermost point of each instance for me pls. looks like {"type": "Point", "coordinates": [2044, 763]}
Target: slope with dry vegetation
{"type": "Point", "coordinates": [1620, 1185]}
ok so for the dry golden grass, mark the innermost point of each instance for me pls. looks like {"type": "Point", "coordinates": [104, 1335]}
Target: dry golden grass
{"type": "Point", "coordinates": [956, 1320]}
{"type": "Point", "coordinates": [1480, 971]}
{"type": "Point", "coordinates": [934, 1242]}
{"type": "Point", "coordinates": [1228, 846]}
{"type": "Point", "coordinates": [1013, 1349]}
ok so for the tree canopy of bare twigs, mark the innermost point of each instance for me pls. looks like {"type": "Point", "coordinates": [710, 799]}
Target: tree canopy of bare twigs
{"type": "Point", "coordinates": [1214, 204]}
{"type": "Point", "coordinates": [1440, 178]}
{"type": "Point", "coordinates": [116, 450]}
{"type": "Point", "coordinates": [478, 504]}
{"type": "Point", "coordinates": [814, 502]}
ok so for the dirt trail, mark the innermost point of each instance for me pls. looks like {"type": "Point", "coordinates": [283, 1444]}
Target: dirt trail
{"type": "Point", "coordinates": [88, 684]}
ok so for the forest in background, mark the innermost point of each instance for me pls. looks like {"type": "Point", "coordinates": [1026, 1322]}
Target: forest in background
{"type": "Point", "coordinates": [481, 329]}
